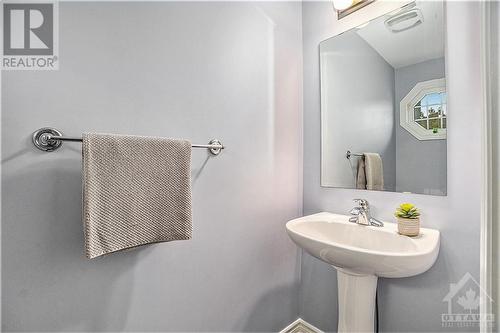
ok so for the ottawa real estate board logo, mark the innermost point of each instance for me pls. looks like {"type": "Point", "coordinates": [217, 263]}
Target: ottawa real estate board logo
{"type": "Point", "coordinates": [30, 35]}
{"type": "Point", "coordinates": [465, 300]}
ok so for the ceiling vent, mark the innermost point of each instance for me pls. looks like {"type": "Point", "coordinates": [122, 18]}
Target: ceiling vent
{"type": "Point", "coordinates": [405, 20]}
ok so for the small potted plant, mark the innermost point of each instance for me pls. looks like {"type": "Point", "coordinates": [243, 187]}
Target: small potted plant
{"type": "Point", "coordinates": [408, 219]}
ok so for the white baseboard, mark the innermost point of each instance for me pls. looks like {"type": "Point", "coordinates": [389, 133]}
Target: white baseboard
{"type": "Point", "coordinates": [301, 326]}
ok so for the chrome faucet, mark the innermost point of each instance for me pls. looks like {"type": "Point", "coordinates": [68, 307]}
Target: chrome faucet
{"type": "Point", "coordinates": [362, 216]}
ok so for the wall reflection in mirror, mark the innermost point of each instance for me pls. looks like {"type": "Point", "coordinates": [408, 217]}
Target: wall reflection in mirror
{"type": "Point", "coordinates": [384, 113]}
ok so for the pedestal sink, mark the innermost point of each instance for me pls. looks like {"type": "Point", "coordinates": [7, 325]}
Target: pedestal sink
{"type": "Point", "coordinates": [361, 254]}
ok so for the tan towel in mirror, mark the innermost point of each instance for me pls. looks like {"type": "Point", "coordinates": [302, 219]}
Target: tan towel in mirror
{"type": "Point", "coordinates": [374, 171]}
{"type": "Point", "coordinates": [136, 191]}
{"type": "Point", "coordinates": [360, 176]}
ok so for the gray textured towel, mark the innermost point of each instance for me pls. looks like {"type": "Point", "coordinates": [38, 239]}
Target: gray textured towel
{"type": "Point", "coordinates": [361, 176]}
{"type": "Point", "coordinates": [374, 172]}
{"type": "Point", "coordinates": [136, 190]}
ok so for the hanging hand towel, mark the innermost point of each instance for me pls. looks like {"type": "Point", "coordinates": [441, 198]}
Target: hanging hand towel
{"type": "Point", "coordinates": [374, 172]}
{"type": "Point", "coordinates": [360, 175]}
{"type": "Point", "coordinates": [136, 190]}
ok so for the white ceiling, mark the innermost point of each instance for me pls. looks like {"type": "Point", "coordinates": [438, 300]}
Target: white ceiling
{"type": "Point", "coordinates": [418, 44]}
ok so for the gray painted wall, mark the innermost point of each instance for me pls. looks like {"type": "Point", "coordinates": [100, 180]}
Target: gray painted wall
{"type": "Point", "coordinates": [421, 165]}
{"type": "Point", "coordinates": [358, 115]}
{"type": "Point", "coordinates": [411, 304]}
{"type": "Point", "coordinates": [192, 70]}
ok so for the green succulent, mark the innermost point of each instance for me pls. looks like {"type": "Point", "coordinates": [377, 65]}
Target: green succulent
{"type": "Point", "coordinates": [407, 211]}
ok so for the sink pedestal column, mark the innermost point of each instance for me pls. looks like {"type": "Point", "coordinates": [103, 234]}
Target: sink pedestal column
{"type": "Point", "coordinates": [356, 301]}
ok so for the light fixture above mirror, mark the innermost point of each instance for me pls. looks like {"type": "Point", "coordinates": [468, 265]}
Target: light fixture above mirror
{"type": "Point", "coordinates": [346, 7]}
{"type": "Point", "coordinates": [342, 4]}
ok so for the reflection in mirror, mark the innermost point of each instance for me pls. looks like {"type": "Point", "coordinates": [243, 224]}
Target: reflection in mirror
{"type": "Point", "coordinates": [384, 112]}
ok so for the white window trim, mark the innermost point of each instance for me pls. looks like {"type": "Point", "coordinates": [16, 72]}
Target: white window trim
{"type": "Point", "coordinates": [407, 116]}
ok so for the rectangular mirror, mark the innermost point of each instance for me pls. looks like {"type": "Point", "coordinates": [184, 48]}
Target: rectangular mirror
{"type": "Point", "coordinates": [383, 103]}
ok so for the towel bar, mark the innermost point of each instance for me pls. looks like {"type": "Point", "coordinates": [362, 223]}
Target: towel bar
{"type": "Point", "coordinates": [348, 154]}
{"type": "Point", "coordinates": [49, 139]}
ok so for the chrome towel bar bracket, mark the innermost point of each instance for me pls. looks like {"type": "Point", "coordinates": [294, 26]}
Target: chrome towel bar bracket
{"type": "Point", "coordinates": [348, 154]}
{"type": "Point", "coordinates": [49, 139]}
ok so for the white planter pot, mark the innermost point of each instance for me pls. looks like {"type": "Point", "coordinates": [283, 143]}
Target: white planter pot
{"type": "Point", "coordinates": [408, 227]}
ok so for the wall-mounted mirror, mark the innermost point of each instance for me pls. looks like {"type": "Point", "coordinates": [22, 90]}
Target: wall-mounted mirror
{"type": "Point", "coordinates": [384, 113]}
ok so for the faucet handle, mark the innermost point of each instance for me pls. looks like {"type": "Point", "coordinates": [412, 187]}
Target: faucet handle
{"type": "Point", "coordinates": [355, 211]}
{"type": "Point", "coordinates": [363, 203]}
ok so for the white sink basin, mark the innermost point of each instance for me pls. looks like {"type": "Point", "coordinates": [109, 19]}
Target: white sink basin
{"type": "Point", "coordinates": [361, 254]}
{"type": "Point", "coordinates": [379, 251]}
